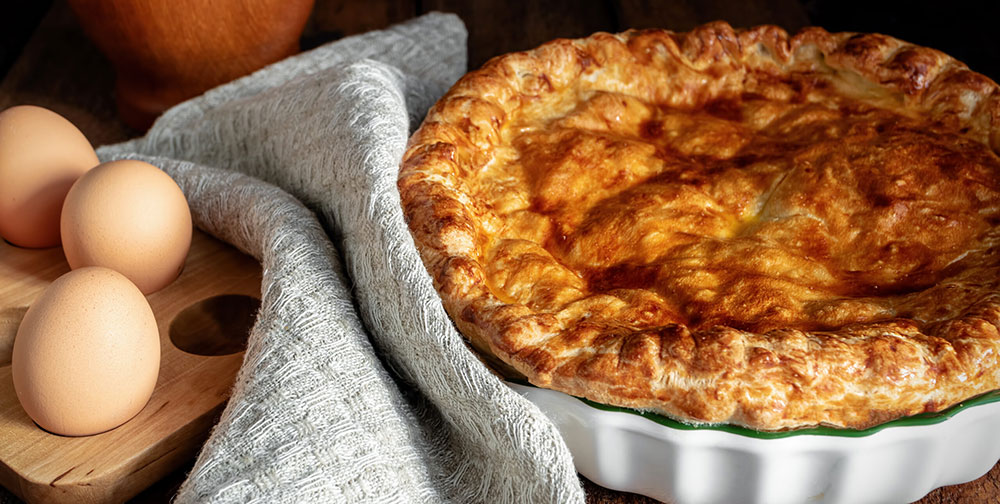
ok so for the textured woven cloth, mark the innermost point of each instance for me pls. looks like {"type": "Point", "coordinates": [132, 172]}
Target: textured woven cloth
{"type": "Point", "coordinates": [355, 386]}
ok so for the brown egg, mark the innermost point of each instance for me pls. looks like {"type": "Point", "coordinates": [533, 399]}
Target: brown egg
{"type": "Point", "coordinates": [87, 354]}
{"type": "Point", "coordinates": [41, 155]}
{"type": "Point", "coordinates": [131, 217]}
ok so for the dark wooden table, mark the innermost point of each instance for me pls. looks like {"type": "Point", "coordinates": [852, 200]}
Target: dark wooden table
{"type": "Point", "coordinates": [60, 69]}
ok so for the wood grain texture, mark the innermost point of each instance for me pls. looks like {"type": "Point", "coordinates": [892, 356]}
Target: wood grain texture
{"type": "Point", "coordinates": [597, 494]}
{"type": "Point", "coordinates": [500, 27]}
{"type": "Point", "coordinates": [190, 390]}
{"type": "Point", "coordinates": [60, 69]}
{"type": "Point", "coordinates": [339, 18]}
{"type": "Point", "coordinates": [682, 16]}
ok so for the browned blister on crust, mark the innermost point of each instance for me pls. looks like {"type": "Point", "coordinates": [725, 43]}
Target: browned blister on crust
{"type": "Point", "coordinates": [729, 226]}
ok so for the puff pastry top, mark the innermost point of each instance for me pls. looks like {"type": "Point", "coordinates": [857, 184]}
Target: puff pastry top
{"type": "Point", "coordinates": [722, 226]}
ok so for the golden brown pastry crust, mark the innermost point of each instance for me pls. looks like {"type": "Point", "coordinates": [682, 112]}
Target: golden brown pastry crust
{"type": "Point", "coordinates": [722, 226]}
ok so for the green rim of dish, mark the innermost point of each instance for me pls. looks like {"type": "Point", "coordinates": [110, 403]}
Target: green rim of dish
{"type": "Point", "coordinates": [910, 421]}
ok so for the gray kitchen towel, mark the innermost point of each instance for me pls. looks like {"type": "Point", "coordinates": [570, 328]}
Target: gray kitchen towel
{"type": "Point", "coordinates": [355, 385]}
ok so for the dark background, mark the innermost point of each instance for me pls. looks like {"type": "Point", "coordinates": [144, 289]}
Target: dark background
{"type": "Point", "coordinates": [964, 29]}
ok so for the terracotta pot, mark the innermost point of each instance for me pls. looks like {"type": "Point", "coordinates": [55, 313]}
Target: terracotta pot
{"type": "Point", "coordinates": [166, 51]}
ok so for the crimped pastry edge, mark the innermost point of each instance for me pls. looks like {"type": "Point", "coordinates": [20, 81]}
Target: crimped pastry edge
{"type": "Point", "coordinates": [461, 130]}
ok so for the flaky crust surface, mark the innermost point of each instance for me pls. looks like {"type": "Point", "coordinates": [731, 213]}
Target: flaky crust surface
{"type": "Point", "coordinates": [745, 227]}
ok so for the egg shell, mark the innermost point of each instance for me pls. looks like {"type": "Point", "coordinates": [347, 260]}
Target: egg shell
{"type": "Point", "coordinates": [41, 156]}
{"type": "Point", "coordinates": [131, 217]}
{"type": "Point", "coordinates": [87, 353]}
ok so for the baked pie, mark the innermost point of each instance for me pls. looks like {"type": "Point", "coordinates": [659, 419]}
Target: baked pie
{"type": "Point", "coordinates": [723, 226]}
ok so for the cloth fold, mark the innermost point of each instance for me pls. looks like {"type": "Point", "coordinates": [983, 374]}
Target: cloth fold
{"type": "Point", "coordinates": [355, 385]}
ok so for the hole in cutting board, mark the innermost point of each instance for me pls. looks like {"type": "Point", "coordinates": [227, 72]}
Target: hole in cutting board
{"type": "Point", "coordinates": [215, 326]}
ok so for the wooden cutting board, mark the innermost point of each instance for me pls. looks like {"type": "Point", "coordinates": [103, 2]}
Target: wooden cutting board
{"type": "Point", "coordinates": [207, 312]}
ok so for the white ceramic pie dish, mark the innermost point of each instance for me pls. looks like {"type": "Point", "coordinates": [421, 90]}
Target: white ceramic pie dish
{"type": "Point", "coordinates": [898, 462]}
